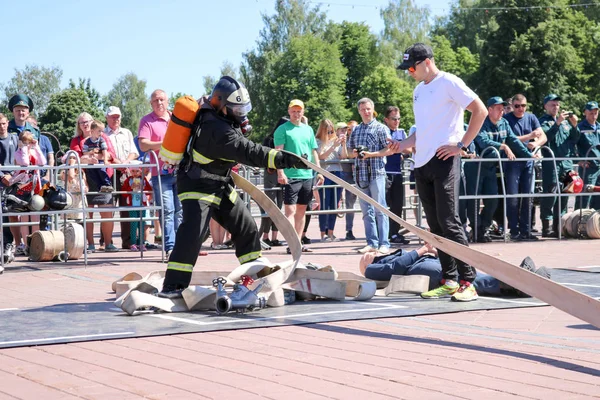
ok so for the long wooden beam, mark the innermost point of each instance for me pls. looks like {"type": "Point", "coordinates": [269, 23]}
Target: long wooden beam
{"type": "Point", "coordinates": [566, 299]}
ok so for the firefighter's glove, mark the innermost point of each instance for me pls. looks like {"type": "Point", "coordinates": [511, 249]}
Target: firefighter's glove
{"type": "Point", "coordinates": [291, 160]}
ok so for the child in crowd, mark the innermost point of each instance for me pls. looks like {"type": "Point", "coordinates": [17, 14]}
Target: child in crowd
{"type": "Point", "coordinates": [70, 177]}
{"type": "Point", "coordinates": [29, 153]}
{"type": "Point", "coordinates": [140, 195]}
{"type": "Point", "coordinates": [95, 146]}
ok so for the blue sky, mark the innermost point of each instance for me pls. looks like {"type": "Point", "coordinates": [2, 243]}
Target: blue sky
{"type": "Point", "coordinates": [170, 44]}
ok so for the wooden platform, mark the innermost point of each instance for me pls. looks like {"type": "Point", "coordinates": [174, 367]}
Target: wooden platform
{"type": "Point", "coordinates": [532, 353]}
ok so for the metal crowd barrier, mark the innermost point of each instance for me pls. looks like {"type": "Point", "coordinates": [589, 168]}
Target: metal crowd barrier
{"type": "Point", "coordinates": [505, 196]}
{"type": "Point", "coordinates": [84, 210]}
{"type": "Point", "coordinates": [255, 175]}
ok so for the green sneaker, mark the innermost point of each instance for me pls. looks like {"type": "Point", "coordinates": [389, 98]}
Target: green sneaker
{"type": "Point", "coordinates": [442, 291]}
{"type": "Point", "coordinates": [111, 248]}
{"type": "Point", "coordinates": [466, 292]}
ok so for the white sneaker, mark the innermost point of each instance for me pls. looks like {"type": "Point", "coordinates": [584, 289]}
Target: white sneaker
{"type": "Point", "coordinates": [1, 269]}
{"type": "Point", "coordinates": [366, 249]}
{"type": "Point", "coordinates": [20, 250]}
{"type": "Point", "coordinates": [384, 250]}
{"type": "Point", "coordinates": [9, 255]}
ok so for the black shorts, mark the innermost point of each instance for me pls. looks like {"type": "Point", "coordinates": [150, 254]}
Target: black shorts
{"type": "Point", "coordinates": [411, 179]}
{"type": "Point", "coordinates": [298, 191]}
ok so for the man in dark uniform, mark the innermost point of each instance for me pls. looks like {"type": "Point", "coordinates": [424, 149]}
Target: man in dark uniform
{"type": "Point", "coordinates": [205, 186]}
{"type": "Point", "coordinates": [21, 105]}
{"type": "Point", "coordinates": [495, 133]}
{"type": "Point", "coordinates": [563, 134]}
{"type": "Point", "coordinates": [589, 144]}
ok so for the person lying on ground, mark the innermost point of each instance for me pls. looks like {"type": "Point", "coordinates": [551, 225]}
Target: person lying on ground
{"type": "Point", "coordinates": [424, 261]}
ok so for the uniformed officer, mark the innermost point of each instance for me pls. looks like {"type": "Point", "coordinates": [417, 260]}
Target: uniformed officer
{"type": "Point", "coordinates": [495, 133]}
{"type": "Point", "coordinates": [563, 134]}
{"type": "Point", "coordinates": [21, 105]}
{"type": "Point", "coordinates": [590, 142]}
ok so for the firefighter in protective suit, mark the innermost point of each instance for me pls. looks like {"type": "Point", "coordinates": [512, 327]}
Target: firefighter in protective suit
{"type": "Point", "coordinates": [206, 188]}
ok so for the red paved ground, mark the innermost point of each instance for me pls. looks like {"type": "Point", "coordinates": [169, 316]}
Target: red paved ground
{"type": "Point", "coordinates": [533, 353]}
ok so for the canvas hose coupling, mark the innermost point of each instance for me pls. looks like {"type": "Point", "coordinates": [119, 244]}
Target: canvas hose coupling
{"type": "Point", "coordinates": [241, 299]}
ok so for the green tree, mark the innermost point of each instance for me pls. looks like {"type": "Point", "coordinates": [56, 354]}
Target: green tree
{"type": "Point", "coordinates": [94, 96]}
{"type": "Point", "coordinates": [39, 83]}
{"type": "Point", "coordinates": [557, 56]}
{"type": "Point", "coordinates": [173, 98]}
{"type": "Point", "coordinates": [129, 94]}
{"type": "Point", "coordinates": [385, 88]}
{"type": "Point", "coordinates": [460, 62]}
{"type": "Point", "coordinates": [4, 110]}
{"type": "Point", "coordinates": [310, 69]}
{"type": "Point", "coordinates": [532, 47]}
{"type": "Point", "coordinates": [463, 24]}
{"type": "Point", "coordinates": [292, 18]}
{"type": "Point", "coordinates": [210, 81]}
{"type": "Point", "coordinates": [359, 54]}
{"type": "Point", "coordinates": [61, 114]}
{"type": "Point", "coordinates": [405, 23]}
{"type": "Point", "coordinates": [498, 34]}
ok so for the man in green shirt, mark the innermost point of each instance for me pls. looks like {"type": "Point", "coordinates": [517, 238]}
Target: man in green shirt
{"type": "Point", "coordinates": [298, 138]}
{"type": "Point", "coordinates": [563, 134]}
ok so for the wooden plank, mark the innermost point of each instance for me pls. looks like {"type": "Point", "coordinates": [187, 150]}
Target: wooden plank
{"type": "Point", "coordinates": [568, 300]}
{"type": "Point", "coordinates": [405, 284]}
{"type": "Point", "coordinates": [283, 224]}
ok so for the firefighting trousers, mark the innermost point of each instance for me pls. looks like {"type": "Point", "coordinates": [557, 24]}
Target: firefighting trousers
{"type": "Point", "coordinates": [233, 216]}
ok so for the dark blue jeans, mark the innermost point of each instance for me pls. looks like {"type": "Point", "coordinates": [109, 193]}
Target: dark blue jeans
{"type": "Point", "coordinates": [488, 184]}
{"type": "Point", "coordinates": [172, 207]}
{"type": "Point", "coordinates": [519, 178]}
{"type": "Point", "coordinates": [329, 200]}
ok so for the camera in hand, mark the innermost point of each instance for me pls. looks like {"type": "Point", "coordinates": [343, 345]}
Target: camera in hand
{"type": "Point", "coordinates": [360, 151]}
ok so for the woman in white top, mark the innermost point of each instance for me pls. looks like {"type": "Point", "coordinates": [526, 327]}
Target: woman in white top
{"type": "Point", "coordinates": [332, 148]}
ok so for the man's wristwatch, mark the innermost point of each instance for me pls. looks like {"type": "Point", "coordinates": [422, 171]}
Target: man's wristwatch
{"type": "Point", "coordinates": [461, 146]}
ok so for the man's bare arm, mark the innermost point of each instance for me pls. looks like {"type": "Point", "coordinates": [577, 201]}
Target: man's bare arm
{"type": "Point", "coordinates": [147, 145]}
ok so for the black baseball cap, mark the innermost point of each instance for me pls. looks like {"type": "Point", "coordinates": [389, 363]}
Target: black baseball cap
{"type": "Point", "coordinates": [415, 53]}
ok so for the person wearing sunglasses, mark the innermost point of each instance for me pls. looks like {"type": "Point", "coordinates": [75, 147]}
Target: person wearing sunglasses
{"type": "Point", "coordinates": [332, 149]}
{"type": "Point", "coordinates": [520, 174]}
{"type": "Point", "coordinates": [496, 133]}
{"type": "Point", "coordinates": [439, 103]}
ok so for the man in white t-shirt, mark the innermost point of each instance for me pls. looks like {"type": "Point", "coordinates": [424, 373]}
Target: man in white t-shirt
{"type": "Point", "coordinates": [439, 102]}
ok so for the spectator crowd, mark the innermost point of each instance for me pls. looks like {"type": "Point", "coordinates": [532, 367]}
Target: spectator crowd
{"type": "Point", "coordinates": [356, 152]}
